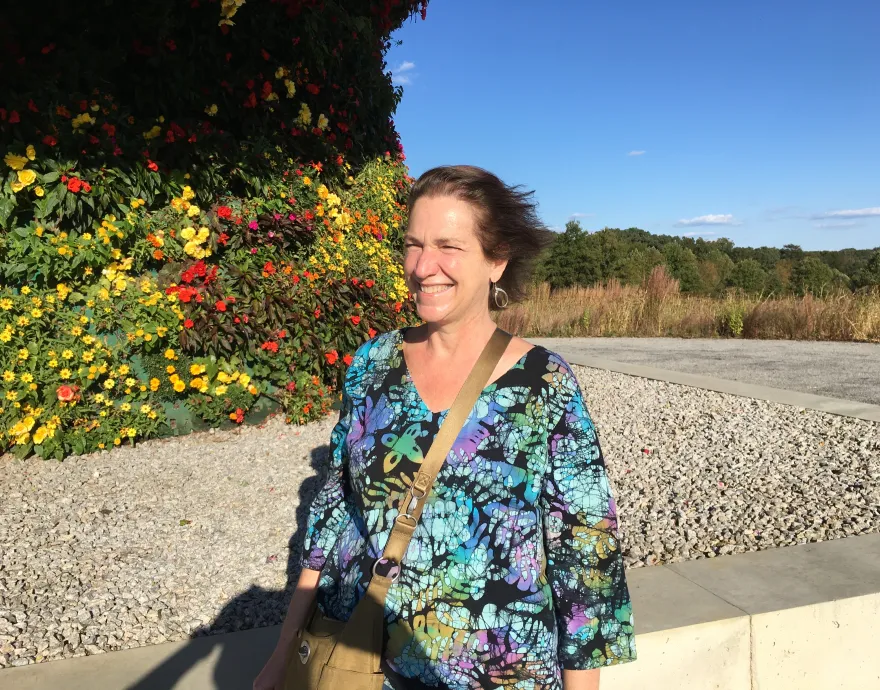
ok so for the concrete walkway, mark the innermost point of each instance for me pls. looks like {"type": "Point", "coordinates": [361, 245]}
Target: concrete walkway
{"type": "Point", "coordinates": [847, 371]}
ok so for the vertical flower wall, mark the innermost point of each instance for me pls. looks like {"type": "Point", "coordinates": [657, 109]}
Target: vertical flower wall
{"type": "Point", "coordinates": [201, 208]}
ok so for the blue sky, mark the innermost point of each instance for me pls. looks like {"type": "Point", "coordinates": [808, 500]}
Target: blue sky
{"type": "Point", "coordinates": [756, 121]}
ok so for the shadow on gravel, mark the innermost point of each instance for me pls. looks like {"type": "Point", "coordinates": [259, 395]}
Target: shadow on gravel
{"type": "Point", "coordinates": [236, 665]}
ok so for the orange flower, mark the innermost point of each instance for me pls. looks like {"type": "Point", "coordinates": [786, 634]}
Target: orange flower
{"type": "Point", "coordinates": [158, 254]}
{"type": "Point", "coordinates": [332, 357]}
{"type": "Point", "coordinates": [66, 393]}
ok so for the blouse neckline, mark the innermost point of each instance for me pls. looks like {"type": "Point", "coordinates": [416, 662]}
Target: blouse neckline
{"type": "Point", "coordinates": [442, 413]}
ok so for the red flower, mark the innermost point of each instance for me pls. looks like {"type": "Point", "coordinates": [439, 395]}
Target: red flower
{"type": "Point", "coordinates": [332, 357]}
{"type": "Point", "coordinates": [355, 320]}
{"type": "Point", "coordinates": [65, 393]}
{"type": "Point", "coordinates": [397, 306]}
{"type": "Point", "coordinates": [372, 333]}
{"type": "Point", "coordinates": [224, 212]}
{"type": "Point", "coordinates": [270, 346]}
{"type": "Point", "coordinates": [236, 320]}
{"type": "Point", "coordinates": [251, 100]}
{"type": "Point", "coordinates": [86, 187]}
{"type": "Point", "coordinates": [347, 359]}
{"type": "Point", "coordinates": [268, 269]}
{"type": "Point", "coordinates": [223, 239]}
{"type": "Point", "coordinates": [33, 106]}
{"type": "Point", "coordinates": [152, 166]}
{"type": "Point", "coordinates": [74, 184]}
{"type": "Point", "coordinates": [354, 281]}
{"type": "Point", "coordinates": [295, 279]}
{"type": "Point", "coordinates": [13, 117]}
{"type": "Point", "coordinates": [238, 415]}
{"type": "Point", "coordinates": [64, 178]}
{"type": "Point", "coordinates": [47, 49]}
{"type": "Point", "coordinates": [220, 304]}
{"type": "Point", "coordinates": [282, 333]}
{"type": "Point", "coordinates": [264, 53]}
{"type": "Point", "coordinates": [188, 323]}
{"type": "Point", "coordinates": [170, 44]}
{"type": "Point", "coordinates": [267, 90]}
{"type": "Point", "coordinates": [318, 313]}
{"type": "Point", "coordinates": [313, 89]}
{"type": "Point", "coordinates": [370, 283]}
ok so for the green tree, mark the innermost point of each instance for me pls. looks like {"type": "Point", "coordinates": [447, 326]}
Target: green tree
{"type": "Point", "coordinates": [869, 276]}
{"type": "Point", "coordinates": [811, 275]}
{"type": "Point", "coordinates": [791, 251]}
{"type": "Point", "coordinates": [639, 264]}
{"type": "Point", "coordinates": [682, 264]}
{"type": "Point", "coordinates": [570, 261]}
{"type": "Point", "coordinates": [748, 275]}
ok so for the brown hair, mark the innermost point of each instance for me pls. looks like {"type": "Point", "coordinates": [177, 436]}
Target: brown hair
{"type": "Point", "coordinates": [508, 226]}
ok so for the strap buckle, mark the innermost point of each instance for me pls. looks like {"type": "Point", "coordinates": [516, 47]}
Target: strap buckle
{"type": "Point", "coordinates": [414, 499]}
{"type": "Point", "coordinates": [393, 571]}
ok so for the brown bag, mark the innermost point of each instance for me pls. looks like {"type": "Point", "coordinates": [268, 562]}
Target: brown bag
{"type": "Point", "coordinates": [328, 654]}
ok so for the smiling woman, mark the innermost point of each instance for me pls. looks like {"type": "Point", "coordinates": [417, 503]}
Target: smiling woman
{"type": "Point", "coordinates": [499, 558]}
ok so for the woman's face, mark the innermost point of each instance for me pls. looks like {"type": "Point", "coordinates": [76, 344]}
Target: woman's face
{"type": "Point", "coordinates": [444, 265]}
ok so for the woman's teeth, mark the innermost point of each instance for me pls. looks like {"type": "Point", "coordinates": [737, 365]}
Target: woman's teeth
{"type": "Point", "coordinates": [434, 289]}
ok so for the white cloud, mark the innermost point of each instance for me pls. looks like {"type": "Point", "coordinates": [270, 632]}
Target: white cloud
{"type": "Point", "coordinates": [636, 153]}
{"type": "Point", "coordinates": [850, 213]}
{"type": "Point", "coordinates": [710, 219]}
{"type": "Point", "coordinates": [699, 233]}
{"type": "Point", "coordinates": [838, 224]}
{"type": "Point", "coordinates": [403, 73]}
{"type": "Point", "coordinates": [581, 215]}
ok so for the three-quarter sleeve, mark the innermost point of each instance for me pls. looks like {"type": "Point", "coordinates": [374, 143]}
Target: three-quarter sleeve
{"type": "Point", "coordinates": [331, 510]}
{"type": "Point", "coordinates": [584, 561]}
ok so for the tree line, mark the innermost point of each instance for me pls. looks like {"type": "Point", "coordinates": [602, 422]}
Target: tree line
{"type": "Point", "coordinates": [581, 258]}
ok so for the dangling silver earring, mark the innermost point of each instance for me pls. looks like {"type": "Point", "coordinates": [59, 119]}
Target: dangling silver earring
{"type": "Point", "coordinates": [504, 301]}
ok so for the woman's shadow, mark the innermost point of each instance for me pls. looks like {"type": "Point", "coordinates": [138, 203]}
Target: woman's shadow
{"type": "Point", "coordinates": [253, 610]}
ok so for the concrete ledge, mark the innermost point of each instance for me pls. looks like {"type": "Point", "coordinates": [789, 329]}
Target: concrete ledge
{"type": "Point", "coordinates": [796, 618]}
{"type": "Point", "coordinates": [844, 408]}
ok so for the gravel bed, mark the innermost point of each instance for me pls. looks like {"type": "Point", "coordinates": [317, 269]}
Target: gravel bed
{"type": "Point", "coordinates": [192, 535]}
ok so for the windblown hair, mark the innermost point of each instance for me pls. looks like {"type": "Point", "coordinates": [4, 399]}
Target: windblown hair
{"type": "Point", "coordinates": [508, 226]}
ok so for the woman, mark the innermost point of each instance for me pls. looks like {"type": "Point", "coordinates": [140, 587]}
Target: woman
{"type": "Point", "coordinates": [514, 575]}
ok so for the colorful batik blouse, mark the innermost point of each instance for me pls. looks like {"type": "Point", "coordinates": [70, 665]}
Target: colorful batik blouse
{"type": "Point", "coordinates": [514, 571]}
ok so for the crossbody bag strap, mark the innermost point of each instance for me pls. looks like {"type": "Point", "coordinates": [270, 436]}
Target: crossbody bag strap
{"type": "Point", "coordinates": [412, 501]}
{"type": "Point", "coordinates": [359, 645]}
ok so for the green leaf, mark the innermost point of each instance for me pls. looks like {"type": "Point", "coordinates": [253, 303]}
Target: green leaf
{"type": "Point", "coordinates": [6, 206]}
{"type": "Point", "coordinates": [50, 177]}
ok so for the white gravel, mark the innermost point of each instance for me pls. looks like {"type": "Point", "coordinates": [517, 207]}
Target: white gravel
{"type": "Point", "coordinates": [93, 555]}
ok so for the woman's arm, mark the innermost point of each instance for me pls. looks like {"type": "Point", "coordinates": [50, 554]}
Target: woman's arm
{"type": "Point", "coordinates": [303, 596]}
{"type": "Point", "coordinates": [584, 562]}
{"type": "Point", "coordinates": [580, 680]}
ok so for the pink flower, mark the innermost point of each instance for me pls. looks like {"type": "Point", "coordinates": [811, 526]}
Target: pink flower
{"type": "Point", "coordinates": [271, 234]}
{"type": "Point", "coordinates": [253, 250]}
{"type": "Point", "coordinates": [253, 225]}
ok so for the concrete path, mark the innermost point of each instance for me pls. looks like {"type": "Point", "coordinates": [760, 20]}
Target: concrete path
{"type": "Point", "coordinates": [850, 371]}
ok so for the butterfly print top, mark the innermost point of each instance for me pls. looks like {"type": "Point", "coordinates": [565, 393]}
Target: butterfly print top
{"type": "Point", "coordinates": [514, 571]}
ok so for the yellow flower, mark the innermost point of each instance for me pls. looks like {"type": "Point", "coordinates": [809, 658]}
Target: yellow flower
{"type": "Point", "coordinates": [145, 409]}
{"type": "Point", "coordinates": [305, 115]}
{"type": "Point", "coordinates": [88, 356]}
{"type": "Point", "coordinates": [15, 162]}
{"type": "Point", "coordinates": [125, 407]}
{"type": "Point", "coordinates": [307, 180]}
{"type": "Point", "coordinates": [109, 383]}
{"type": "Point", "coordinates": [244, 379]}
{"type": "Point", "coordinates": [27, 377]}
{"type": "Point", "coordinates": [291, 88]}
{"type": "Point", "coordinates": [161, 331]}
{"type": "Point", "coordinates": [117, 441]}
{"type": "Point", "coordinates": [16, 186]}
{"type": "Point", "coordinates": [130, 382]}
{"type": "Point", "coordinates": [154, 132]}
{"type": "Point", "coordinates": [25, 290]}
{"type": "Point", "coordinates": [31, 153]}
{"type": "Point", "coordinates": [27, 177]}
{"type": "Point", "coordinates": [193, 211]}
{"type": "Point", "coordinates": [323, 121]}
{"type": "Point", "coordinates": [23, 354]}
{"type": "Point", "coordinates": [11, 395]}
{"type": "Point", "coordinates": [99, 397]}
{"type": "Point", "coordinates": [8, 376]}
{"type": "Point", "coordinates": [220, 390]}
{"type": "Point", "coordinates": [132, 432]}
{"type": "Point", "coordinates": [211, 109]}
{"type": "Point", "coordinates": [39, 191]}
{"type": "Point", "coordinates": [188, 233]}
{"type": "Point", "coordinates": [170, 354]}
{"type": "Point", "coordinates": [6, 304]}
{"type": "Point", "coordinates": [40, 435]}
{"type": "Point", "coordinates": [64, 373]}
{"type": "Point", "coordinates": [179, 386]}
{"type": "Point", "coordinates": [123, 370]}
{"type": "Point", "coordinates": [196, 383]}
{"type": "Point", "coordinates": [67, 354]}
{"type": "Point", "coordinates": [53, 363]}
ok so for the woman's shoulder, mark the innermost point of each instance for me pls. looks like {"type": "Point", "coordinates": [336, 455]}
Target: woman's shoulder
{"type": "Point", "coordinates": [553, 371]}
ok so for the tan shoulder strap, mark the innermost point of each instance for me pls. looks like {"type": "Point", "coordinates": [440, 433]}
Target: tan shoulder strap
{"type": "Point", "coordinates": [354, 649]}
{"type": "Point", "coordinates": [412, 501]}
